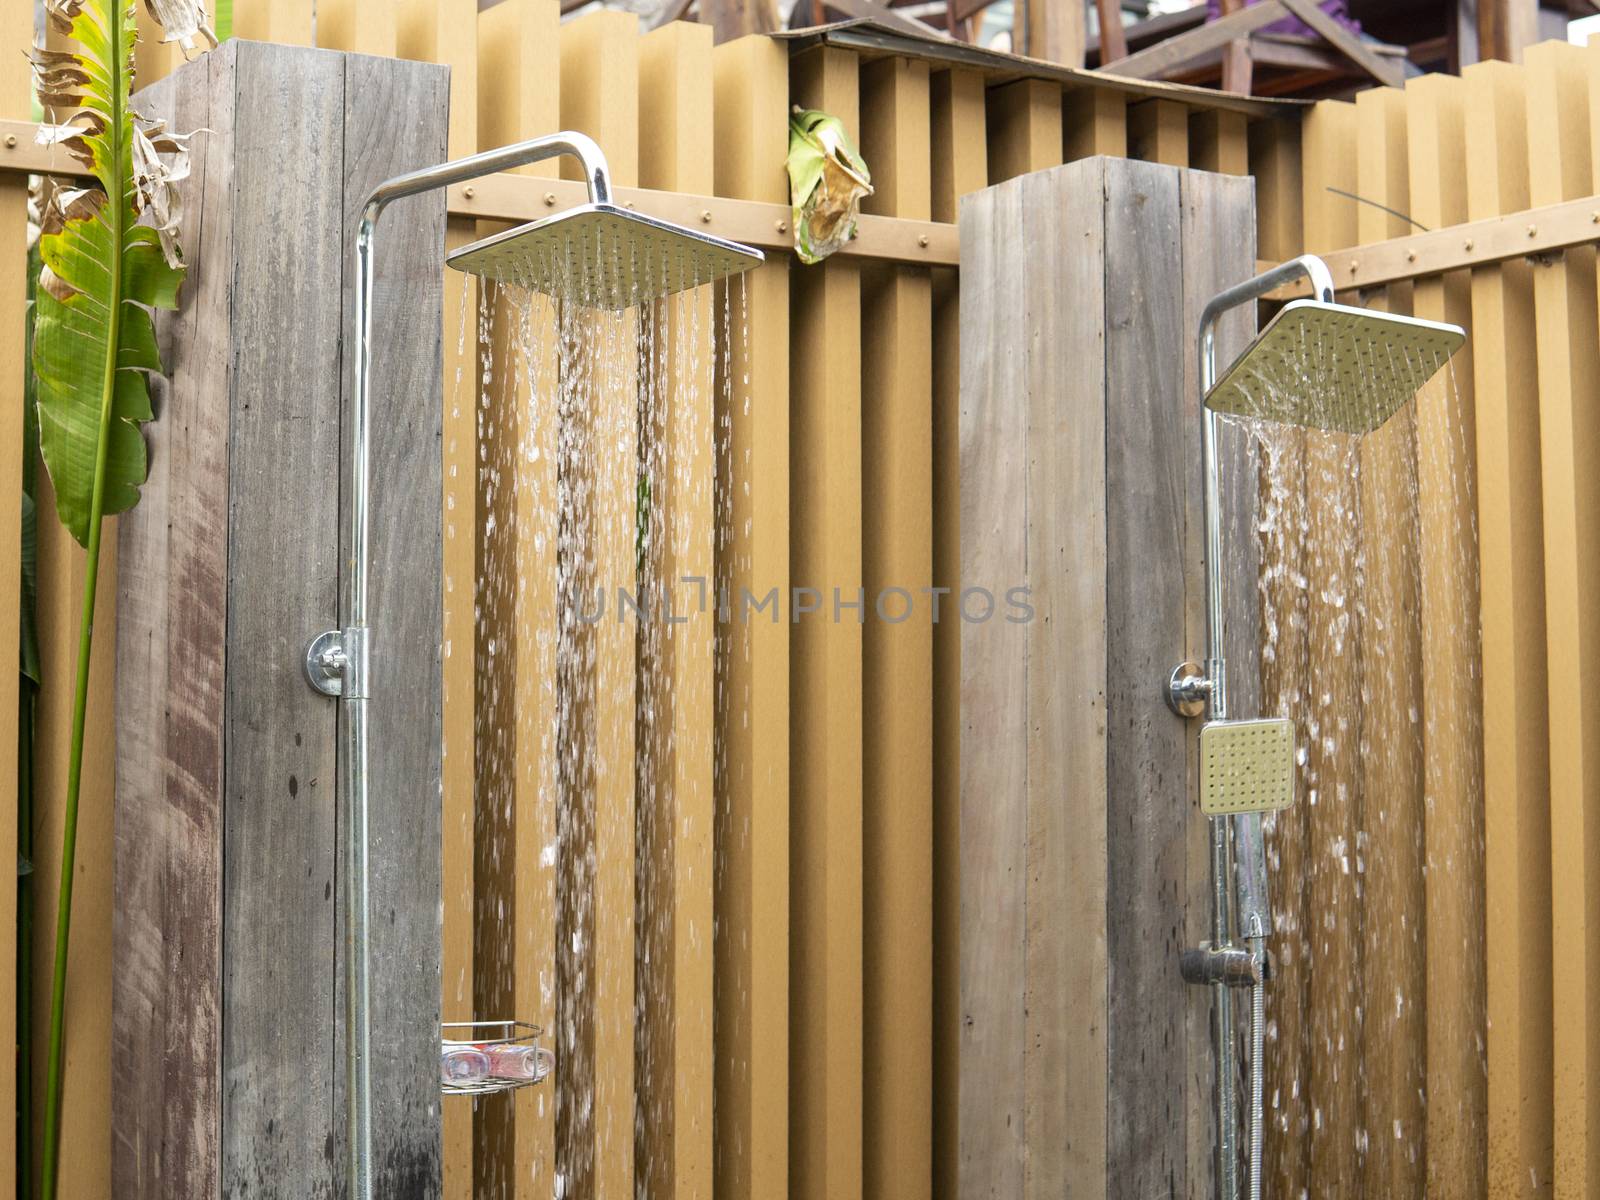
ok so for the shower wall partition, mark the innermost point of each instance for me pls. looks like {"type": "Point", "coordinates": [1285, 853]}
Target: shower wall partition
{"type": "Point", "coordinates": [227, 1036]}
{"type": "Point", "coordinates": [1084, 865]}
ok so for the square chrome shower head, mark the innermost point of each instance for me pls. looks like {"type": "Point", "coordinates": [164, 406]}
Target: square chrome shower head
{"type": "Point", "coordinates": [1333, 367]}
{"type": "Point", "coordinates": [604, 256]}
{"type": "Point", "coordinates": [1246, 766]}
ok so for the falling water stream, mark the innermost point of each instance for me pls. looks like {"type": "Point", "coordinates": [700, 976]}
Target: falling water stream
{"type": "Point", "coordinates": [1357, 873]}
{"type": "Point", "coordinates": [604, 479]}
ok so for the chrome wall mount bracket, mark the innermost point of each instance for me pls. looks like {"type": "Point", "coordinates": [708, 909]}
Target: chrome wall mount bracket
{"type": "Point", "coordinates": [1188, 689]}
{"type": "Point", "coordinates": [325, 660]}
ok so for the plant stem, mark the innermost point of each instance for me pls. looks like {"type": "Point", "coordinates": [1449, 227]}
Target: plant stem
{"type": "Point", "coordinates": [115, 211]}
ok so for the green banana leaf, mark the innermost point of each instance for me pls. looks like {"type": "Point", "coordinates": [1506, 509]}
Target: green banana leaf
{"type": "Point", "coordinates": [94, 339]}
{"type": "Point", "coordinates": [827, 182]}
{"type": "Point", "coordinates": [94, 344]}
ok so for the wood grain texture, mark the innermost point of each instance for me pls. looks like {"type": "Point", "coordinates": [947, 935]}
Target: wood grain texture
{"type": "Point", "coordinates": [172, 613]}
{"type": "Point", "coordinates": [1516, 764]}
{"type": "Point", "coordinates": [994, 672]}
{"type": "Point", "coordinates": [280, 789]}
{"type": "Point", "coordinates": [751, 1112]}
{"type": "Point", "coordinates": [959, 167]}
{"type": "Point", "coordinates": [1067, 1073]}
{"type": "Point", "coordinates": [1560, 160]}
{"type": "Point", "coordinates": [1218, 250]}
{"type": "Point", "coordinates": [897, 572]}
{"type": "Point", "coordinates": [1146, 840]}
{"type": "Point", "coordinates": [396, 121]}
{"type": "Point", "coordinates": [826, 963]}
{"type": "Point", "coordinates": [1078, 871]}
{"type": "Point", "coordinates": [1451, 668]}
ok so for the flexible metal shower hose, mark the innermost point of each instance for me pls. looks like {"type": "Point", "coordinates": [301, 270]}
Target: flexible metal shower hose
{"type": "Point", "coordinates": [1258, 1038]}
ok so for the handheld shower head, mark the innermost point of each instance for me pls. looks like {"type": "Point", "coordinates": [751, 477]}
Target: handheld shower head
{"type": "Point", "coordinates": [606, 256]}
{"type": "Point", "coordinates": [1328, 366]}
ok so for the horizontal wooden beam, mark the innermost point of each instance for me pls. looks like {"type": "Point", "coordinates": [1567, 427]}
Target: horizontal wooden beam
{"type": "Point", "coordinates": [765, 225]}
{"type": "Point", "coordinates": [1530, 233]}
{"type": "Point", "coordinates": [525, 198]}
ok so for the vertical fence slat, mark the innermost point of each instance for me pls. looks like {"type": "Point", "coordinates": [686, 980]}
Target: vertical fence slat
{"type": "Point", "coordinates": [1560, 165]}
{"type": "Point", "coordinates": [1219, 141]}
{"type": "Point", "coordinates": [600, 97]}
{"type": "Point", "coordinates": [360, 26]}
{"type": "Point", "coordinates": [897, 553]}
{"type": "Point", "coordinates": [153, 59]}
{"type": "Point", "coordinates": [753, 793]}
{"type": "Point", "coordinates": [507, 441]}
{"type": "Point", "coordinates": [1511, 582]}
{"type": "Point", "coordinates": [1158, 131]}
{"type": "Point", "coordinates": [676, 804]}
{"type": "Point", "coordinates": [287, 22]}
{"type": "Point", "coordinates": [1330, 725]}
{"type": "Point", "coordinates": [1095, 121]}
{"type": "Point", "coordinates": [826, 787]}
{"type": "Point", "coordinates": [1392, 948]}
{"type": "Point", "coordinates": [1024, 120]}
{"type": "Point", "coordinates": [959, 165]}
{"type": "Point", "coordinates": [1392, 1035]}
{"type": "Point", "coordinates": [1275, 163]}
{"type": "Point", "coordinates": [16, 31]}
{"type": "Point", "coordinates": [1452, 695]}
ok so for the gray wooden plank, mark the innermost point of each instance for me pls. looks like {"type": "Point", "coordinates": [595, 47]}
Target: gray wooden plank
{"type": "Point", "coordinates": [1065, 296]}
{"type": "Point", "coordinates": [167, 936]}
{"type": "Point", "coordinates": [994, 759]}
{"type": "Point", "coordinates": [1218, 251]}
{"type": "Point", "coordinates": [396, 116]}
{"type": "Point", "coordinates": [279, 1064]}
{"type": "Point", "coordinates": [1147, 442]}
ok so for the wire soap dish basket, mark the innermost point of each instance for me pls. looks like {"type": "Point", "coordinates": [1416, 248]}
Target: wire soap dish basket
{"type": "Point", "coordinates": [479, 1058]}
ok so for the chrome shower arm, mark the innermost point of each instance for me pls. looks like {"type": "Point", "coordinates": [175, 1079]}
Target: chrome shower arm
{"type": "Point", "coordinates": [596, 174]}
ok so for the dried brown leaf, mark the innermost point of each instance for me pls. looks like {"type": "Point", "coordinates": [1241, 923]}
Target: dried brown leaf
{"type": "Point", "coordinates": [155, 180]}
{"type": "Point", "coordinates": [182, 21]}
{"type": "Point", "coordinates": [56, 286]}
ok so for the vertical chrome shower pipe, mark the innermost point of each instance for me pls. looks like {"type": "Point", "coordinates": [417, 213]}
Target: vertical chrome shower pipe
{"type": "Point", "coordinates": [1246, 828]}
{"type": "Point", "coordinates": [339, 663]}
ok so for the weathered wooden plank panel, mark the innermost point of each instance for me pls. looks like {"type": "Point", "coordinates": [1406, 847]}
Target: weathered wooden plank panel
{"type": "Point", "coordinates": [396, 120]}
{"type": "Point", "coordinates": [279, 792]}
{"type": "Point", "coordinates": [751, 1111]}
{"type": "Point", "coordinates": [994, 761]}
{"type": "Point", "coordinates": [1218, 237]}
{"type": "Point", "coordinates": [1067, 1072]}
{"type": "Point", "coordinates": [825, 1036]}
{"type": "Point", "coordinates": [1146, 828]}
{"type": "Point", "coordinates": [172, 615]}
